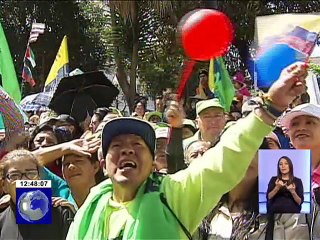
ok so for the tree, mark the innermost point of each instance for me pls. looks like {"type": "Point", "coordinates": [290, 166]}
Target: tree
{"type": "Point", "coordinates": [61, 18]}
{"type": "Point", "coordinates": [142, 35]}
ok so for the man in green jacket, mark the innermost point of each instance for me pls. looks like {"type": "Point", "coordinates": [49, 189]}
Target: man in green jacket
{"type": "Point", "coordinates": [138, 204]}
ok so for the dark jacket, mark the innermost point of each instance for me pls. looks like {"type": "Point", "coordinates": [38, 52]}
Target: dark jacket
{"type": "Point", "coordinates": [283, 201]}
{"type": "Point", "coordinates": [174, 152]}
{"type": "Point", "coordinates": [61, 220]}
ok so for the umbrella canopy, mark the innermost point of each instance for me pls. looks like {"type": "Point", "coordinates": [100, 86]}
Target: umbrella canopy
{"type": "Point", "coordinates": [36, 102]}
{"type": "Point", "coordinates": [12, 118]}
{"type": "Point", "coordinates": [80, 95]}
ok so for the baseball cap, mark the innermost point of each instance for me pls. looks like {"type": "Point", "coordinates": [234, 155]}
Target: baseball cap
{"type": "Point", "coordinates": [306, 109]}
{"type": "Point", "coordinates": [205, 104]}
{"type": "Point", "coordinates": [162, 132]}
{"type": "Point", "coordinates": [128, 125]}
{"type": "Point", "coordinates": [274, 137]}
{"type": "Point", "coordinates": [150, 114]}
{"type": "Point", "coordinates": [66, 118]}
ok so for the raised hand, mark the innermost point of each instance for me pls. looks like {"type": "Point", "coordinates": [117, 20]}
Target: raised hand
{"type": "Point", "coordinates": [279, 183]}
{"type": "Point", "coordinates": [82, 147]}
{"type": "Point", "coordinates": [291, 188]}
{"type": "Point", "coordinates": [58, 201]}
{"type": "Point", "coordinates": [175, 114]}
{"type": "Point", "coordinates": [290, 84]}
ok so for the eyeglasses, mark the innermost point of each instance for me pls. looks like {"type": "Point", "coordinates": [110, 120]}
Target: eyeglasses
{"type": "Point", "coordinates": [31, 175]}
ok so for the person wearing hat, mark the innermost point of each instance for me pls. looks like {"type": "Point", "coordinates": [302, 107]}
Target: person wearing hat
{"type": "Point", "coordinates": [303, 124]}
{"type": "Point", "coordinates": [211, 121]}
{"type": "Point", "coordinates": [135, 203]}
{"type": "Point", "coordinates": [273, 141]}
{"type": "Point", "coordinates": [240, 85]}
{"type": "Point", "coordinates": [162, 135]}
{"type": "Point", "coordinates": [64, 121]}
{"type": "Point", "coordinates": [153, 117]}
{"type": "Point", "coordinates": [189, 128]}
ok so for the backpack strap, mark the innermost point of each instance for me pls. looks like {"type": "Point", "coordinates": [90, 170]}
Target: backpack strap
{"type": "Point", "coordinates": [153, 185]}
{"type": "Point", "coordinates": [185, 230]}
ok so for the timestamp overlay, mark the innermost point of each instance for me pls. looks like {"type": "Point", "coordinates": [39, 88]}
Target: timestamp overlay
{"type": "Point", "coordinates": [33, 202]}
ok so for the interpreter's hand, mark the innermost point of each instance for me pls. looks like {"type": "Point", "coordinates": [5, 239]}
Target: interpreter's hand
{"type": "Point", "coordinates": [5, 201]}
{"type": "Point", "coordinates": [175, 114]}
{"type": "Point", "coordinates": [291, 188]}
{"type": "Point", "coordinates": [58, 201]}
{"type": "Point", "coordinates": [279, 183]}
{"type": "Point", "coordinates": [290, 84]}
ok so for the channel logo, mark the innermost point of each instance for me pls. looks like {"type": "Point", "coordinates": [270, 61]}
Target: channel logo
{"type": "Point", "coordinates": [34, 205]}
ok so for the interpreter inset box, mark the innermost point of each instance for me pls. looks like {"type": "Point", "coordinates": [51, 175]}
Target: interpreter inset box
{"type": "Point", "coordinates": [284, 181]}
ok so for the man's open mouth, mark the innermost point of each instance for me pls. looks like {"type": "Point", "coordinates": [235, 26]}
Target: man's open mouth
{"type": "Point", "coordinates": [127, 165]}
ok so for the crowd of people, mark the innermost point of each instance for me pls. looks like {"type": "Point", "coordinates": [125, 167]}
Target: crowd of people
{"type": "Point", "coordinates": [182, 171]}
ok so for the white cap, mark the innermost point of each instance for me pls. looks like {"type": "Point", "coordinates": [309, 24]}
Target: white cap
{"type": "Point", "coordinates": [306, 109]}
{"type": "Point", "coordinates": [162, 132]}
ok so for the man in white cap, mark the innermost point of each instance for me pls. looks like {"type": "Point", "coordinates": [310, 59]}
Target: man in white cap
{"type": "Point", "coordinates": [303, 124]}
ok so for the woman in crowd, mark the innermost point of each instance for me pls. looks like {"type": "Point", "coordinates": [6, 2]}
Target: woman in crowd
{"type": "Point", "coordinates": [285, 191]}
{"type": "Point", "coordinates": [23, 165]}
{"type": "Point", "coordinates": [97, 118]}
{"type": "Point", "coordinates": [139, 109]}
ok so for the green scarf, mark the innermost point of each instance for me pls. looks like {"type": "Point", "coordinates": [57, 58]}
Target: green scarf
{"type": "Point", "coordinates": [151, 219]}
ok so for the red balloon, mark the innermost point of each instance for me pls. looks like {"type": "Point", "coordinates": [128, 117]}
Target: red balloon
{"type": "Point", "coordinates": [205, 34]}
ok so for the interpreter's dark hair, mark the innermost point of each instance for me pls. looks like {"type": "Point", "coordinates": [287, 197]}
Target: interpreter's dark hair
{"type": "Point", "coordinates": [291, 175]}
{"type": "Point", "coordinates": [17, 155]}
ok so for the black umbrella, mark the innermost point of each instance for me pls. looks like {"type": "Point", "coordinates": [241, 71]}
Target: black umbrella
{"type": "Point", "coordinates": [80, 95]}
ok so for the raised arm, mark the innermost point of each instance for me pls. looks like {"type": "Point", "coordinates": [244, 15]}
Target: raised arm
{"type": "Point", "coordinates": [194, 192]}
{"type": "Point", "coordinates": [174, 151]}
{"type": "Point", "coordinates": [79, 147]}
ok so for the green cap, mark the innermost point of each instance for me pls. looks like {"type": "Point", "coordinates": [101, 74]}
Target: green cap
{"type": "Point", "coordinates": [205, 104]}
{"type": "Point", "coordinates": [150, 114]}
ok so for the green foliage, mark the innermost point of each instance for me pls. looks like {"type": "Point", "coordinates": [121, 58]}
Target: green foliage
{"type": "Point", "coordinates": [61, 18]}
{"type": "Point", "coordinates": [93, 40]}
{"type": "Point", "coordinates": [315, 68]}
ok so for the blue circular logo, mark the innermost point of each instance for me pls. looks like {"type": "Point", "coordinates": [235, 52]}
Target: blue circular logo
{"type": "Point", "coordinates": [33, 205]}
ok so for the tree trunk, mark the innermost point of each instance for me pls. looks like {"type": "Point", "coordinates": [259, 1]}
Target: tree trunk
{"type": "Point", "coordinates": [134, 58]}
{"type": "Point", "coordinates": [121, 72]}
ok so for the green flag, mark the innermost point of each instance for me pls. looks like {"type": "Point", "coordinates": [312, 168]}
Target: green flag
{"type": "Point", "coordinates": [223, 87]}
{"type": "Point", "coordinates": [8, 74]}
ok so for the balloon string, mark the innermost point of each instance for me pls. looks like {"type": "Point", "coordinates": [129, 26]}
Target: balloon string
{"type": "Point", "coordinates": [188, 69]}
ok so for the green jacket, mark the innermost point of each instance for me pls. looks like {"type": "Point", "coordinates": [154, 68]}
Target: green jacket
{"type": "Point", "coordinates": [191, 193]}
